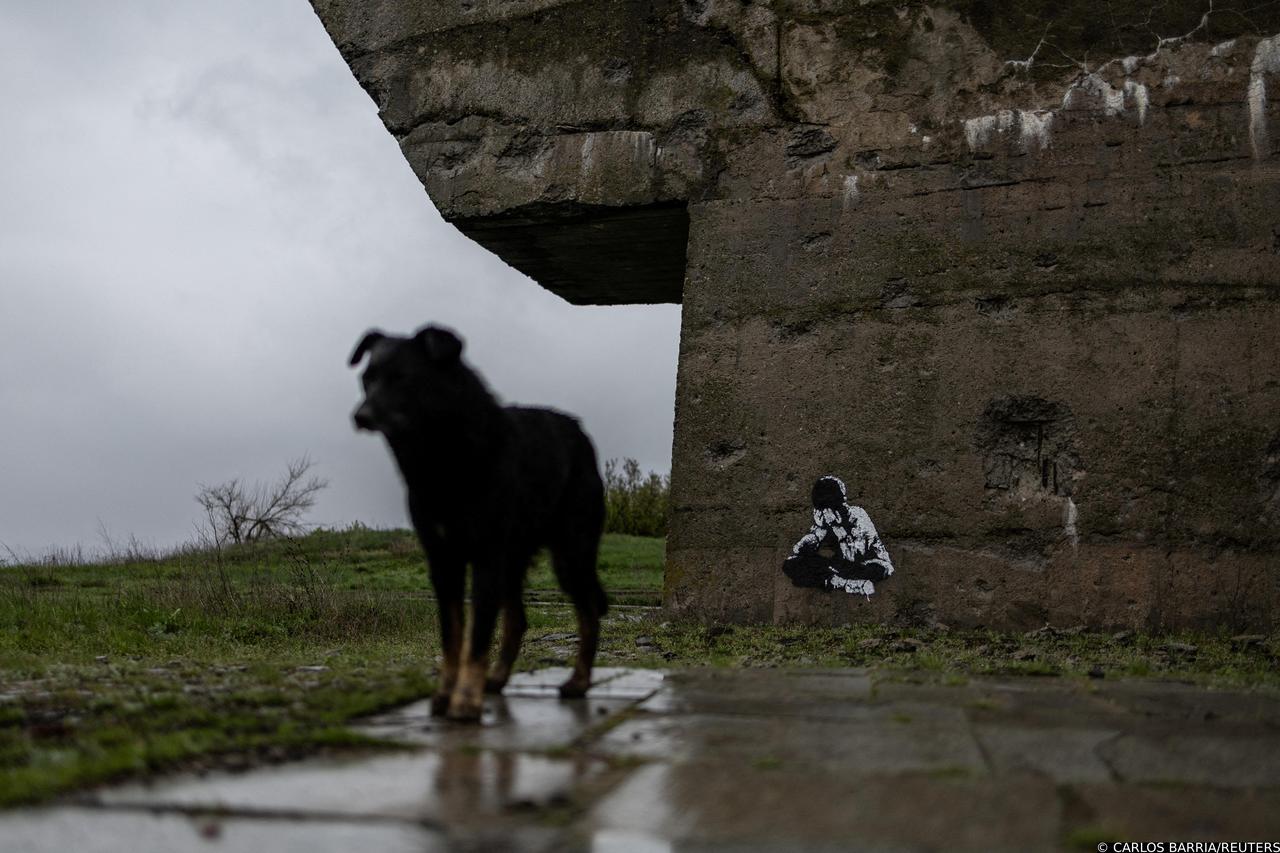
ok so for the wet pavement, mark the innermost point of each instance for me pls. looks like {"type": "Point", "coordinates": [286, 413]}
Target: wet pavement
{"type": "Point", "coordinates": [736, 760]}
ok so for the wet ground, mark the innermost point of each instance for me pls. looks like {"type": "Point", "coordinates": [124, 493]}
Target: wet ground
{"type": "Point", "coordinates": [737, 760]}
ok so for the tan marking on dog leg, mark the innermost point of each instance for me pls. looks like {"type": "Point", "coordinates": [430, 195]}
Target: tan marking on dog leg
{"type": "Point", "coordinates": [468, 695]}
{"type": "Point", "coordinates": [588, 641]}
{"type": "Point", "coordinates": [513, 628]}
{"type": "Point", "coordinates": [451, 654]}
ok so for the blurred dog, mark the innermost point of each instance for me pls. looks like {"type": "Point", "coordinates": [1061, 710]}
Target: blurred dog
{"type": "Point", "coordinates": [488, 486]}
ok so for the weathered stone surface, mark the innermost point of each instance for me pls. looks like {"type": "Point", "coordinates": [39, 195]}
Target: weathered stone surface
{"type": "Point", "coordinates": [738, 760]}
{"type": "Point", "coordinates": [1010, 270]}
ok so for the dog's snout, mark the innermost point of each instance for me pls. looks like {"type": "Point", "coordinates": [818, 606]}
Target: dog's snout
{"type": "Point", "coordinates": [363, 417]}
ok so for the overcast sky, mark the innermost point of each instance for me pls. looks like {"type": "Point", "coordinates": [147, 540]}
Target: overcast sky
{"type": "Point", "coordinates": [200, 213]}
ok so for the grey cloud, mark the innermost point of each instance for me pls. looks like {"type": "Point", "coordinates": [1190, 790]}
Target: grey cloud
{"type": "Point", "coordinates": [201, 214]}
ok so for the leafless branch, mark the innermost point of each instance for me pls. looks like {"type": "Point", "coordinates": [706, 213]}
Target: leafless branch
{"type": "Point", "coordinates": [237, 513]}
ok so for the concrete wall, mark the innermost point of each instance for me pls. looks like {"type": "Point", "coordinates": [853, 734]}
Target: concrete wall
{"type": "Point", "coordinates": [1011, 270]}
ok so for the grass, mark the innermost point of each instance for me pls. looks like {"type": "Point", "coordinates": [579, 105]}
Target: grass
{"type": "Point", "coordinates": [209, 658]}
{"type": "Point", "coordinates": [202, 659]}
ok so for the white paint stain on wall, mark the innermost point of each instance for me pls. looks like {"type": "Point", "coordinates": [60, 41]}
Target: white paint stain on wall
{"type": "Point", "coordinates": [1223, 48]}
{"type": "Point", "coordinates": [978, 131]}
{"type": "Point", "coordinates": [925, 140]}
{"type": "Point", "coordinates": [851, 192]}
{"type": "Point", "coordinates": [641, 144]}
{"type": "Point", "coordinates": [609, 144]}
{"type": "Point", "coordinates": [1090, 91]}
{"type": "Point", "coordinates": [1138, 94]}
{"type": "Point", "coordinates": [1032, 128]}
{"type": "Point", "coordinates": [1266, 60]}
{"type": "Point", "coordinates": [1035, 128]}
{"type": "Point", "coordinates": [1069, 514]}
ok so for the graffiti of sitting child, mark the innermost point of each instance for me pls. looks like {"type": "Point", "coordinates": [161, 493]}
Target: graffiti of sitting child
{"type": "Point", "coordinates": [860, 557]}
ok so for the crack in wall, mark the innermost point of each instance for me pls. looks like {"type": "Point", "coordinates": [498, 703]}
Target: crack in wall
{"type": "Point", "coordinates": [1091, 91]}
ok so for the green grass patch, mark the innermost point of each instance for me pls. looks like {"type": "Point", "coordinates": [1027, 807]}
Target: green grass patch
{"type": "Point", "coordinates": [252, 652]}
{"type": "Point", "coordinates": [267, 651]}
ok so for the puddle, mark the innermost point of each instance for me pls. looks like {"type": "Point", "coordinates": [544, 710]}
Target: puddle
{"type": "Point", "coordinates": [424, 786]}
{"type": "Point", "coordinates": [94, 831]}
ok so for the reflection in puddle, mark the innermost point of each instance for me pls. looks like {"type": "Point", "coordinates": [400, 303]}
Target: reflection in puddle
{"type": "Point", "coordinates": [447, 786]}
{"type": "Point", "coordinates": [491, 782]}
{"type": "Point", "coordinates": [642, 806]}
{"type": "Point", "coordinates": [619, 841]}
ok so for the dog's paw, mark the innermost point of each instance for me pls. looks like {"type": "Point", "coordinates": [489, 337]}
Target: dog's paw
{"type": "Point", "coordinates": [440, 704]}
{"type": "Point", "coordinates": [464, 712]}
{"type": "Point", "coordinates": [574, 688]}
{"type": "Point", "coordinates": [466, 708]}
{"type": "Point", "coordinates": [493, 686]}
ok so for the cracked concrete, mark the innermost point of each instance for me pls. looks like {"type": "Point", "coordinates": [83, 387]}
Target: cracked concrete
{"type": "Point", "coordinates": [881, 220]}
{"type": "Point", "coordinates": [735, 759]}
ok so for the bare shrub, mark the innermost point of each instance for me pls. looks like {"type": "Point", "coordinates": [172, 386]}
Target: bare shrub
{"type": "Point", "coordinates": [237, 512]}
{"type": "Point", "coordinates": [131, 550]}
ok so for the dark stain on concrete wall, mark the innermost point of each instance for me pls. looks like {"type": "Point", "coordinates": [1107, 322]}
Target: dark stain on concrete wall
{"type": "Point", "coordinates": [1028, 442]}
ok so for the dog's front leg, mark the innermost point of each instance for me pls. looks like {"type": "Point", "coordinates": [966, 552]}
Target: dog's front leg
{"type": "Point", "coordinates": [468, 695]}
{"type": "Point", "coordinates": [448, 579]}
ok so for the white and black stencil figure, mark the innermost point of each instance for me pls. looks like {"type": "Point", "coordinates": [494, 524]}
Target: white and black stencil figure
{"type": "Point", "coordinates": [858, 557]}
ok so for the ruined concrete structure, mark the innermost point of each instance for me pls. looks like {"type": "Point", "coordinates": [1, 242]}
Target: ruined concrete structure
{"type": "Point", "coordinates": [1009, 269]}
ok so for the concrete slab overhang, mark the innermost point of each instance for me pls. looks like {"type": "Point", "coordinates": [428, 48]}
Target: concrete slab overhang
{"type": "Point", "coordinates": [592, 254]}
{"type": "Point", "coordinates": [1011, 270]}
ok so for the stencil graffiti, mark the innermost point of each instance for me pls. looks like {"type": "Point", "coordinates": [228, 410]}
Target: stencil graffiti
{"type": "Point", "coordinates": [842, 551]}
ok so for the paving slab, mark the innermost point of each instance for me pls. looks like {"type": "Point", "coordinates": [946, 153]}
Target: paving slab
{"type": "Point", "coordinates": [904, 737]}
{"type": "Point", "coordinates": [529, 714]}
{"type": "Point", "coordinates": [1049, 702]}
{"type": "Point", "coordinates": [607, 683]}
{"type": "Point", "coordinates": [735, 760]}
{"type": "Point", "coordinates": [1184, 813]}
{"type": "Point", "coordinates": [1222, 761]}
{"type": "Point", "coordinates": [508, 723]}
{"type": "Point", "coordinates": [82, 830]}
{"type": "Point", "coordinates": [807, 693]}
{"type": "Point", "coordinates": [724, 807]}
{"type": "Point", "coordinates": [1062, 754]}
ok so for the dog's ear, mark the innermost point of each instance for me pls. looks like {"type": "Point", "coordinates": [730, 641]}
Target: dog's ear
{"type": "Point", "coordinates": [370, 338]}
{"type": "Point", "coordinates": [441, 345]}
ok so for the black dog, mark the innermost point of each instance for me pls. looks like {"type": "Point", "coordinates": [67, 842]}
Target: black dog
{"type": "Point", "coordinates": [490, 486]}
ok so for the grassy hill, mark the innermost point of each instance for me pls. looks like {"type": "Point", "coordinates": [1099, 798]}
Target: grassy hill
{"type": "Point", "coordinates": [252, 651]}
{"type": "Point", "coordinates": [220, 658]}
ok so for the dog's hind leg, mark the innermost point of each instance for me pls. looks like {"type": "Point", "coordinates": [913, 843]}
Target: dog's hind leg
{"type": "Point", "coordinates": [513, 628]}
{"type": "Point", "coordinates": [486, 596]}
{"type": "Point", "coordinates": [576, 571]}
{"type": "Point", "coordinates": [448, 577]}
